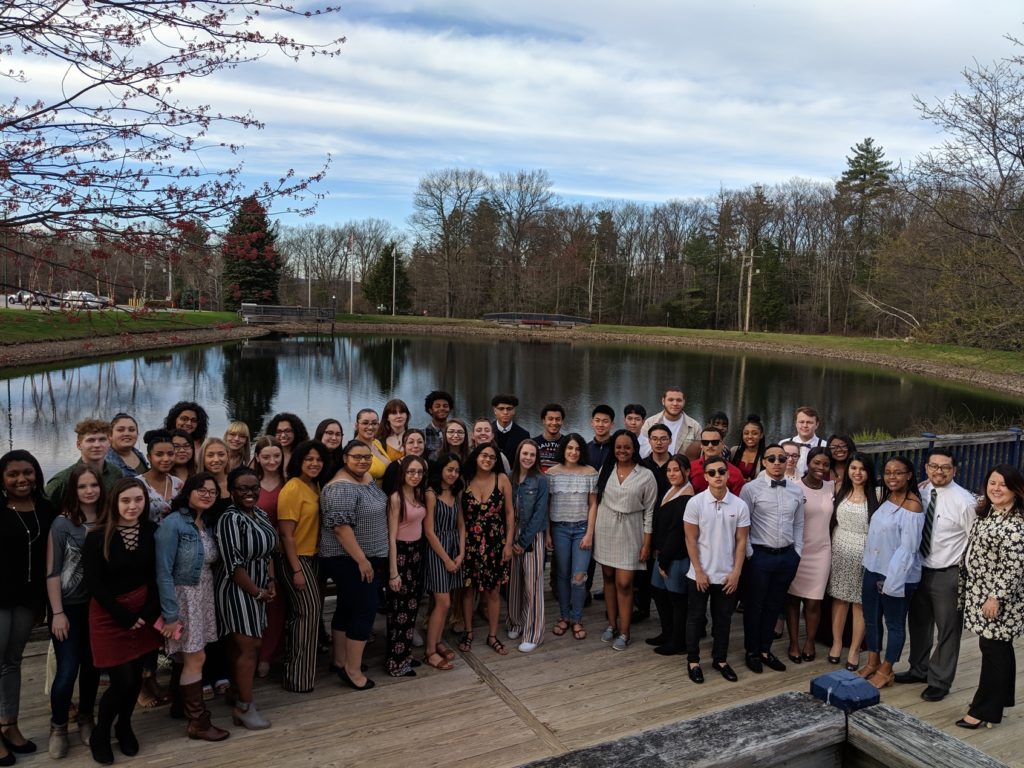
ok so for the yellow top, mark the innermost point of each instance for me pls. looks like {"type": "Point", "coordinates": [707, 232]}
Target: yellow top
{"type": "Point", "coordinates": [300, 503]}
{"type": "Point", "coordinates": [380, 462]}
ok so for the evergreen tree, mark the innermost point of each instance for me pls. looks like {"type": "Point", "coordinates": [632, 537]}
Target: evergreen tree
{"type": "Point", "coordinates": [862, 191]}
{"type": "Point", "coordinates": [252, 266]}
{"type": "Point", "coordinates": [377, 283]}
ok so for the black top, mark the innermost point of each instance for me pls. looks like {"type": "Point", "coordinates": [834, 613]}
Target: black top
{"type": "Point", "coordinates": [125, 571]}
{"type": "Point", "coordinates": [667, 537]}
{"type": "Point", "coordinates": [23, 537]}
{"type": "Point", "coordinates": [598, 452]}
{"type": "Point", "coordinates": [507, 442]}
{"type": "Point", "coordinates": [660, 474]}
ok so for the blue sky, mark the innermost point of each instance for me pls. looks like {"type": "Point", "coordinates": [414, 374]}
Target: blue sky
{"type": "Point", "coordinates": [649, 100]}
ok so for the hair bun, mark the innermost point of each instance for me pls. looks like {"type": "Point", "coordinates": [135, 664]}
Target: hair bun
{"type": "Point", "coordinates": [754, 418]}
{"type": "Point", "coordinates": [156, 436]}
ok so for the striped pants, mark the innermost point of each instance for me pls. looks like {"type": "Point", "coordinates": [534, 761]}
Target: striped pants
{"type": "Point", "coordinates": [301, 628]}
{"type": "Point", "coordinates": [526, 593]}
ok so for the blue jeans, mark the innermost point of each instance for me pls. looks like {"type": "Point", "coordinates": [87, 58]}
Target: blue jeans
{"type": "Point", "coordinates": [74, 661]}
{"type": "Point", "coordinates": [571, 564]}
{"type": "Point", "coordinates": [767, 576]}
{"type": "Point", "coordinates": [894, 612]}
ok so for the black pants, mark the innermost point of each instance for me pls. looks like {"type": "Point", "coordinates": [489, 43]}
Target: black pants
{"type": "Point", "coordinates": [722, 607]}
{"type": "Point", "coordinates": [642, 584]}
{"type": "Point", "coordinates": [995, 685]}
{"type": "Point", "coordinates": [672, 613]}
{"type": "Point", "coordinates": [118, 701]}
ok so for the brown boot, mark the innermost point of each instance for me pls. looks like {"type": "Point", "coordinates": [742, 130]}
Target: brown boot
{"type": "Point", "coordinates": [199, 725]}
{"type": "Point", "coordinates": [177, 707]}
{"type": "Point", "coordinates": [883, 676]}
{"type": "Point", "coordinates": [874, 659]}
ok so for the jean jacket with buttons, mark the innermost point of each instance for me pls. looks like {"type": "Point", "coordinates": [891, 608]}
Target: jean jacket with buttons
{"type": "Point", "coordinates": [179, 559]}
{"type": "Point", "coordinates": [531, 505]}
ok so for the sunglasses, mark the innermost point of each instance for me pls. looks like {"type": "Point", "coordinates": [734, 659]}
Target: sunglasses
{"type": "Point", "coordinates": [777, 459]}
{"type": "Point", "coordinates": [716, 472]}
{"type": "Point", "coordinates": [710, 442]}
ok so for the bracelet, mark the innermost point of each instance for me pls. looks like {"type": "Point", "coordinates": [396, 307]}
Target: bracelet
{"type": "Point", "coordinates": [295, 572]}
{"type": "Point", "coordinates": [57, 613]}
{"type": "Point", "coordinates": [259, 595]}
{"type": "Point", "coordinates": [395, 576]}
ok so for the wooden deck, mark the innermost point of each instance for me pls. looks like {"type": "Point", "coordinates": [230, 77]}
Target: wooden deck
{"type": "Point", "coordinates": [496, 711]}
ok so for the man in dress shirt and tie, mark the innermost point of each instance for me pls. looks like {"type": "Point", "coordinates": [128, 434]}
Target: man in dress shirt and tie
{"type": "Point", "coordinates": [776, 540]}
{"type": "Point", "coordinates": [934, 620]}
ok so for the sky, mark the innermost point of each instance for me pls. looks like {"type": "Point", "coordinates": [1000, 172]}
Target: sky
{"type": "Point", "coordinates": [648, 101]}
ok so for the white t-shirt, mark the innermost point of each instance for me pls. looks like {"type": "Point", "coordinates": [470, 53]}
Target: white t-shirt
{"type": "Point", "coordinates": [716, 540]}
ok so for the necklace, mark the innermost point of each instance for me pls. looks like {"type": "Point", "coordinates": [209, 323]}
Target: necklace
{"type": "Point", "coordinates": [31, 536]}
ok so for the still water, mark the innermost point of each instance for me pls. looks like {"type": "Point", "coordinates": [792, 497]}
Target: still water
{"type": "Point", "coordinates": [335, 378]}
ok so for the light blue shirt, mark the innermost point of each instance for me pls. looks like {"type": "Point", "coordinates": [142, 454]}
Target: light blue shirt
{"type": "Point", "coordinates": [893, 547]}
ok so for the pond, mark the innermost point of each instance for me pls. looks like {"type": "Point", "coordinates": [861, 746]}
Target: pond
{"type": "Point", "coordinates": [335, 378]}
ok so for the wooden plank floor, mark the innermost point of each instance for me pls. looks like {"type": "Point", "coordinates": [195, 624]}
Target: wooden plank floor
{"type": "Point", "coordinates": [497, 711]}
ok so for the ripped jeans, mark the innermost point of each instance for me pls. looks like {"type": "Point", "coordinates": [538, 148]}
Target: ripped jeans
{"type": "Point", "coordinates": [571, 564]}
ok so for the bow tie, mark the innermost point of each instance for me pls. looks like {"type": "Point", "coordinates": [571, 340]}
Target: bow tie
{"type": "Point", "coordinates": [779, 483]}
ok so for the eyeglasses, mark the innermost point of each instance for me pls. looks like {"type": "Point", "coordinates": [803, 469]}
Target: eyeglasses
{"type": "Point", "coordinates": [895, 473]}
{"type": "Point", "coordinates": [839, 447]}
{"type": "Point", "coordinates": [455, 432]}
{"type": "Point", "coordinates": [369, 423]}
{"type": "Point", "coordinates": [488, 456]}
{"type": "Point", "coordinates": [361, 456]}
{"type": "Point", "coordinates": [285, 432]}
{"type": "Point", "coordinates": [939, 467]}
{"type": "Point", "coordinates": [247, 490]}
{"type": "Point", "coordinates": [710, 442]}
{"type": "Point", "coordinates": [414, 472]}
{"type": "Point", "coordinates": [332, 433]}
{"type": "Point", "coordinates": [206, 493]}
{"type": "Point", "coordinates": [181, 446]}
{"type": "Point", "coordinates": [776, 459]}
{"type": "Point", "coordinates": [716, 472]}
{"type": "Point", "coordinates": [188, 419]}
{"type": "Point", "coordinates": [792, 456]}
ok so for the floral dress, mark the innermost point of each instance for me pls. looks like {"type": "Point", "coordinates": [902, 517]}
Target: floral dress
{"type": "Point", "coordinates": [197, 610]}
{"type": "Point", "coordinates": [485, 540]}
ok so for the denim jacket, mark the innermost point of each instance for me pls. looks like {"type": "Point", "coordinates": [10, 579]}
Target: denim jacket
{"type": "Point", "coordinates": [179, 559]}
{"type": "Point", "coordinates": [531, 504]}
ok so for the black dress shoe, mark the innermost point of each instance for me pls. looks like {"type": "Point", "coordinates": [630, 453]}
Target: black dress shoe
{"type": "Point", "coordinates": [794, 659]}
{"type": "Point", "coordinates": [669, 650]}
{"type": "Point", "coordinates": [771, 662]}
{"type": "Point", "coordinates": [727, 672]}
{"type": "Point", "coordinates": [754, 663]}
{"type": "Point", "coordinates": [931, 693]}
{"type": "Point", "coordinates": [22, 749]}
{"type": "Point", "coordinates": [659, 639]}
{"type": "Point", "coordinates": [833, 659]}
{"type": "Point", "coordinates": [908, 677]}
{"type": "Point", "coordinates": [961, 723]}
{"type": "Point", "coordinates": [808, 657]}
{"type": "Point", "coordinates": [696, 674]}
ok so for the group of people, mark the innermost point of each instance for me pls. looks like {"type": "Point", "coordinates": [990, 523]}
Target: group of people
{"type": "Point", "coordinates": [218, 551]}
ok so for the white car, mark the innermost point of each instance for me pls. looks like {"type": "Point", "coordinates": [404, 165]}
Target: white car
{"type": "Point", "coordinates": [82, 300]}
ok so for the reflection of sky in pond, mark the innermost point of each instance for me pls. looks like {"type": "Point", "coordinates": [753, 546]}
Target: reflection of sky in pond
{"type": "Point", "coordinates": [255, 379]}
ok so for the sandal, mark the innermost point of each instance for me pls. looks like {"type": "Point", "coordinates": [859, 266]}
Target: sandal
{"type": "Point", "coordinates": [466, 642]}
{"type": "Point", "coordinates": [442, 662]}
{"type": "Point", "coordinates": [496, 645]}
{"type": "Point", "coordinates": [578, 632]}
{"type": "Point", "coordinates": [445, 651]}
{"type": "Point", "coordinates": [561, 627]}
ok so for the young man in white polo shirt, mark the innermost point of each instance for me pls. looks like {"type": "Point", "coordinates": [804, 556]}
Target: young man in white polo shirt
{"type": "Point", "coordinates": [716, 523]}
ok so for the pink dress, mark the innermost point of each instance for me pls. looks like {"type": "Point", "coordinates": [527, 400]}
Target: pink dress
{"type": "Point", "coordinates": [816, 559]}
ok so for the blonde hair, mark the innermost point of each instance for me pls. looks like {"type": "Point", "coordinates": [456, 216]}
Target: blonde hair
{"type": "Point", "coordinates": [201, 458]}
{"type": "Point", "coordinates": [239, 428]}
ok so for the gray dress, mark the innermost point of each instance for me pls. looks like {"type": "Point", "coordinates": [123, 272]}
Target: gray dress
{"type": "Point", "coordinates": [624, 514]}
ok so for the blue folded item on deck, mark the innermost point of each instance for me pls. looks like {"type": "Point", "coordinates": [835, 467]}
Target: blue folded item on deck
{"type": "Point", "coordinates": [844, 690]}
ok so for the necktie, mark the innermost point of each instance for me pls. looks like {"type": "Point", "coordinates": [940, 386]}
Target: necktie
{"type": "Point", "coordinates": [929, 520]}
{"type": "Point", "coordinates": [778, 483]}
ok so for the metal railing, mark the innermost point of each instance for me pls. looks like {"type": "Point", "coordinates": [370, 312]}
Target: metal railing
{"type": "Point", "coordinates": [975, 452]}
{"type": "Point", "coordinates": [269, 313]}
{"type": "Point", "coordinates": [537, 318]}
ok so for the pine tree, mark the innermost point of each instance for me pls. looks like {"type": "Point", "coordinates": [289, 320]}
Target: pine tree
{"type": "Point", "coordinates": [377, 284]}
{"type": "Point", "coordinates": [862, 191]}
{"type": "Point", "coordinates": [252, 266]}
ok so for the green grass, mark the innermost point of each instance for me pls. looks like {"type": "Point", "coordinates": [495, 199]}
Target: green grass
{"type": "Point", "coordinates": [18, 326]}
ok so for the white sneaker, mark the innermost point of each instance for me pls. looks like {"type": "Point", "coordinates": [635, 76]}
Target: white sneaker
{"type": "Point", "coordinates": [417, 639]}
{"type": "Point", "coordinates": [513, 634]}
{"type": "Point", "coordinates": [527, 647]}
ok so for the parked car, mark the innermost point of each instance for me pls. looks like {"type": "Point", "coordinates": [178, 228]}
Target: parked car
{"type": "Point", "coordinates": [83, 300]}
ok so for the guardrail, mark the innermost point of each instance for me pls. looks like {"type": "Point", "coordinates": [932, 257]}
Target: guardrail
{"type": "Point", "coordinates": [975, 452]}
{"type": "Point", "coordinates": [269, 313]}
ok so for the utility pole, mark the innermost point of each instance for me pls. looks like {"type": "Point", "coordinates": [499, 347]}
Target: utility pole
{"type": "Point", "coordinates": [750, 283]}
{"type": "Point", "coordinates": [394, 273]}
{"type": "Point", "coordinates": [351, 288]}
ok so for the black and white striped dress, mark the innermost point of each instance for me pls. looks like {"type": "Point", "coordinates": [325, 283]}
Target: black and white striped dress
{"type": "Point", "coordinates": [447, 531]}
{"type": "Point", "coordinates": [246, 540]}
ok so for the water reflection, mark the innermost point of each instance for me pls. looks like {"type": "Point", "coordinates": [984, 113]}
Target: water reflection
{"type": "Point", "coordinates": [335, 378]}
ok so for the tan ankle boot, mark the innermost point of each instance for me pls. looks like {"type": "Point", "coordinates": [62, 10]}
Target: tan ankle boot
{"type": "Point", "coordinates": [874, 660]}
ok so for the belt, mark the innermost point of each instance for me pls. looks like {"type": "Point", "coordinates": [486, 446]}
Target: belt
{"type": "Point", "coordinates": [940, 570]}
{"type": "Point", "coordinates": [771, 550]}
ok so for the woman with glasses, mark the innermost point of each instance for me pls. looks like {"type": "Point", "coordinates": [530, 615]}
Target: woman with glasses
{"type": "Point", "coordinates": [490, 526]}
{"type": "Point", "coordinates": [892, 568]}
{"type": "Point", "coordinates": [855, 503]}
{"type": "Point", "coordinates": [298, 523]}
{"type": "Point", "coordinates": [792, 451]}
{"type": "Point", "coordinates": [406, 511]}
{"type": "Point", "coordinates": [367, 423]}
{"type": "Point", "coordinates": [191, 418]}
{"type": "Point", "coordinates": [841, 447]}
{"type": "Point", "coordinates": [161, 485]}
{"type": "Point", "coordinates": [354, 551]}
{"type": "Point", "coordinates": [246, 540]}
{"type": "Point", "coordinates": [185, 554]}
{"type": "Point", "coordinates": [626, 495]}
{"type": "Point", "coordinates": [454, 439]}
{"type": "Point", "coordinates": [289, 431]}
{"type": "Point", "coordinates": [184, 454]}
{"type": "Point", "coordinates": [331, 435]}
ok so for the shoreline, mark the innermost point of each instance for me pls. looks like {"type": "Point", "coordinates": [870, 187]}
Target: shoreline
{"type": "Point", "coordinates": [31, 353]}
